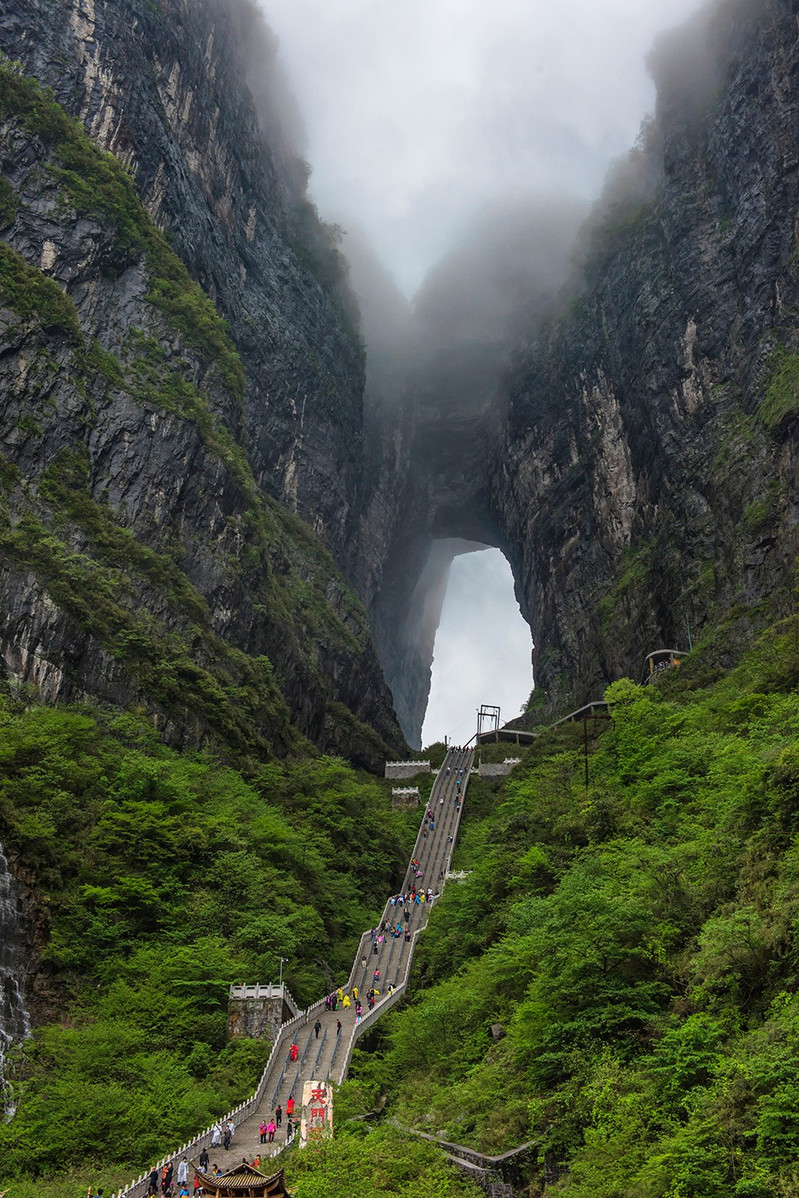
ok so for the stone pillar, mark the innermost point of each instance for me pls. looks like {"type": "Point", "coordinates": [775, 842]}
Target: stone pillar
{"type": "Point", "coordinates": [317, 1113]}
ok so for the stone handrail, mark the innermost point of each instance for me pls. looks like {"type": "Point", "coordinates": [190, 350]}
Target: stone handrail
{"type": "Point", "coordinates": [192, 1148]}
{"type": "Point", "coordinates": [480, 1159]}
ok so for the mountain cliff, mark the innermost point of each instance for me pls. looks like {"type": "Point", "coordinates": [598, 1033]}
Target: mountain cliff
{"type": "Point", "coordinates": [631, 448]}
{"type": "Point", "coordinates": [627, 438]}
{"type": "Point", "coordinates": [169, 475]}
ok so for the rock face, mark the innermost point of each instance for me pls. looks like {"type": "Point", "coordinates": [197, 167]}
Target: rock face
{"type": "Point", "coordinates": [629, 446]}
{"type": "Point", "coordinates": [637, 462]}
{"type": "Point", "coordinates": [14, 1016]}
{"type": "Point", "coordinates": [163, 84]}
{"type": "Point", "coordinates": [143, 559]}
{"type": "Point", "coordinates": [652, 424]}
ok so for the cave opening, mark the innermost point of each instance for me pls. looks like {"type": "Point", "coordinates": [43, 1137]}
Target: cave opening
{"type": "Point", "coordinates": [483, 645]}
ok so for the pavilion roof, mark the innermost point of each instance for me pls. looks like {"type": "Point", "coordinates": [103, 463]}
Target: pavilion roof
{"type": "Point", "coordinates": [245, 1181]}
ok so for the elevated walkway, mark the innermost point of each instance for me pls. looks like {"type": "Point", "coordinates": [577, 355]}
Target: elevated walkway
{"type": "Point", "coordinates": [325, 1055]}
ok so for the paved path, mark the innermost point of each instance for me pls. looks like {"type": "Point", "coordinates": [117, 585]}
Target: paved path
{"type": "Point", "coordinates": [327, 1056]}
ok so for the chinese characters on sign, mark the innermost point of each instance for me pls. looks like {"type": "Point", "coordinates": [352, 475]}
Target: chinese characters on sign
{"type": "Point", "coordinates": [317, 1113]}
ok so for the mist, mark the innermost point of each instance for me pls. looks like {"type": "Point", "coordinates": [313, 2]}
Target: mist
{"type": "Point", "coordinates": [470, 152]}
{"type": "Point", "coordinates": [421, 114]}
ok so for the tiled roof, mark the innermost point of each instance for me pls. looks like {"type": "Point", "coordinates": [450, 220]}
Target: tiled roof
{"type": "Point", "coordinates": [245, 1179]}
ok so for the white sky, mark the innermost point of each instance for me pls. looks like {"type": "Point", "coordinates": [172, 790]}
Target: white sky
{"type": "Point", "coordinates": [420, 112]}
{"type": "Point", "coordinates": [482, 652]}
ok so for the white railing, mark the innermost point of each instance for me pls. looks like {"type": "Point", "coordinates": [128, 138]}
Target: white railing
{"type": "Point", "coordinates": [137, 1188]}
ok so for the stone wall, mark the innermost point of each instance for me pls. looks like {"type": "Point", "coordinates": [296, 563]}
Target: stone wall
{"type": "Point", "coordinates": [259, 1011]}
{"type": "Point", "coordinates": [496, 769]}
{"type": "Point", "coordinates": [405, 798]}
{"type": "Point", "coordinates": [406, 769]}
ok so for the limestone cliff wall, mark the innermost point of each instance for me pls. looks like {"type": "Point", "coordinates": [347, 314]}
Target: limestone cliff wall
{"type": "Point", "coordinates": [646, 478]}
{"type": "Point", "coordinates": [632, 452]}
{"type": "Point", "coordinates": [635, 459]}
{"type": "Point", "coordinates": [165, 86]}
{"type": "Point", "coordinates": [142, 560]}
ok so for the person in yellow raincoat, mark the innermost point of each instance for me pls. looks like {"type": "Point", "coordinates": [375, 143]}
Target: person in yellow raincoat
{"type": "Point", "coordinates": [346, 1001]}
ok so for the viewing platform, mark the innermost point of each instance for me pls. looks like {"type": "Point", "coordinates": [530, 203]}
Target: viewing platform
{"type": "Point", "coordinates": [406, 769]}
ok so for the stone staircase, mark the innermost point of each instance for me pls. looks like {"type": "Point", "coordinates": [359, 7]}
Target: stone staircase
{"type": "Point", "coordinates": [326, 1057]}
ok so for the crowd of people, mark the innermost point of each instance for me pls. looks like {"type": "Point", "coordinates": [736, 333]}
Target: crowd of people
{"type": "Point", "coordinates": [167, 1181]}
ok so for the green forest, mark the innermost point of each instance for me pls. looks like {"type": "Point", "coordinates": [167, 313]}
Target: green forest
{"type": "Point", "coordinates": [162, 878]}
{"type": "Point", "coordinates": [635, 940]}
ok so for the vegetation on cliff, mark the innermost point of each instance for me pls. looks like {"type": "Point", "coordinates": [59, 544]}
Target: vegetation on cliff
{"type": "Point", "coordinates": [161, 878]}
{"type": "Point", "coordinates": [134, 575]}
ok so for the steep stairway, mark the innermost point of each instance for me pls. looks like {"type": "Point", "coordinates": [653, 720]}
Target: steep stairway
{"type": "Point", "coordinates": [325, 1057]}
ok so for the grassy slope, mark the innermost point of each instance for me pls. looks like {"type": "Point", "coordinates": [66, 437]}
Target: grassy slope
{"type": "Point", "coordinates": [162, 877]}
{"type": "Point", "coordinates": [636, 940]}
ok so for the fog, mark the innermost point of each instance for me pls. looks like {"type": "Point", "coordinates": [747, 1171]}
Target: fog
{"type": "Point", "coordinates": [420, 113]}
{"type": "Point", "coordinates": [461, 144]}
{"type": "Point", "coordinates": [482, 651]}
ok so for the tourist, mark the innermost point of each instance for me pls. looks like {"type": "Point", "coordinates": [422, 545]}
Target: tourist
{"type": "Point", "coordinates": [290, 1107]}
{"type": "Point", "coordinates": [204, 1160]}
{"type": "Point", "coordinates": [294, 1051]}
{"type": "Point", "coordinates": [216, 1135]}
{"type": "Point", "coordinates": [183, 1171]}
{"type": "Point", "coordinates": [152, 1187]}
{"type": "Point", "coordinates": [317, 1027]}
{"type": "Point", "coordinates": [338, 1027]}
{"type": "Point", "coordinates": [279, 1115]}
{"type": "Point", "coordinates": [262, 1130]}
{"type": "Point", "coordinates": [271, 1128]}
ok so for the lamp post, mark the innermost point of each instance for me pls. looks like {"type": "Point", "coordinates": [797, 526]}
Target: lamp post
{"type": "Point", "coordinates": [283, 961]}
